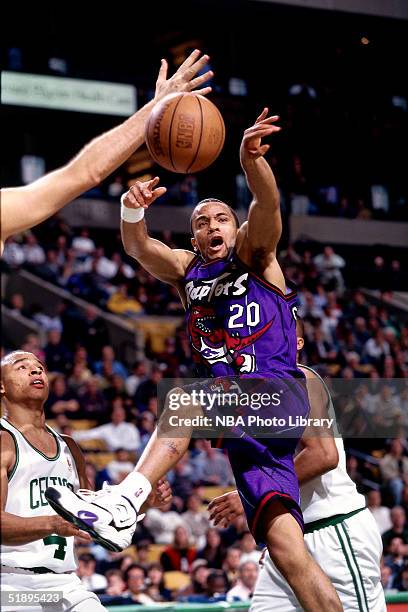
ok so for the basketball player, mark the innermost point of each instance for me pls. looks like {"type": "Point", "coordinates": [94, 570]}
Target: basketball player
{"type": "Point", "coordinates": [241, 322]}
{"type": "Point", "coordinates": [340, 532]}
{"type": "Point", "coordinates": [24, 207]}
{"type": "Point", "coordinates": [37, 552]}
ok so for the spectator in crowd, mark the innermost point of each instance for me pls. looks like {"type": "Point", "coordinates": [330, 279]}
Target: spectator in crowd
{"type": "Point", "coordinates": [182, 477]}
{"type": "Point", "coordinates": [17, 305]}
{"type": "Point", "coordinates": [95, 333]}
{"type": "Point", "coordinates": [13, 254]}
{"type": "Point", "coordinates": [381, 513]}
{"type": "Point", "coordinates": [213, 467]}
{"type": "Point", "coordinates": [402, 582]}
{"type": "Point", "coordinates": [376, 349]}
{"type": "Point", "coordinates": [83, 244]}
{"type": "Point", "coordinates": [34, 254]}
{"type": "Point", "coordinates": [135, 577]}
{"type": "Point", "coordinates": [61, 400]}
{"type": "Point", "coordinates": [394, 469]}
{"type": "Point", "coordinates": [162, 523]}
{"type": "Point", "coordinates": [78, 378]}
{"type": "Point", "coordinates": [57, 355]}
{"type": "Point", "coordinates": [231, 564]}
{"type": "Point", "coordinates": [87, 574]}
{"type": "Point", "coordinates": [47, 322]}
{"type": "Point", "coordinates": [213, 551]}
{"type": "Point", "coordinates": [180, 555]}
{"type": "Point", "coordinates": [148, 388]}
{"type": "Point", "coordinates": [398, 529]}
{"type": "Point", "coordinates": [217, 586]}
{"type": "Point", "coordinates": [109, 358]}
{"type": "Point", "coordinates": [395, 558]}
{"type": "Point", "coordinates": [147, 425]}
{"type": "Point", "coordinates": [387, 579]}
{"type": "Point", "coordinates": [121, 303]}
{"type": "Point", "coordinates": [155, 584]}
{"type": "Point", "coordinates": [329, 266]}
{"type": "Point", "coordinates": [247, 576]}
{"type": "Point", "coordinates": [248, 548]}
{"type": "Point", "coordinates": [116, 434]}
{"type": "Point", "coordinates": [196, 520]}
{"type": "Point", "coordinates": [138, 373]}
{"type": "Point", "coordinates": [142, 552]}
{"type": "Point", "coordinates": [120, 466]}
{"type": "Point", "coordinates": [198, 581]}
{"type": "Point", "coordinates": [115, 583]}
{"type": "Point", "coordinates": [92, 400]}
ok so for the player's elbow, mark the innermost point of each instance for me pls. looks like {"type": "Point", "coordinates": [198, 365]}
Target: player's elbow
{"type": "Point", "coordinates": [330, 458]}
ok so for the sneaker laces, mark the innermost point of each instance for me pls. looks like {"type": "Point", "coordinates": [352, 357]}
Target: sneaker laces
{"type": "Point", "coordinates": [91, 495]}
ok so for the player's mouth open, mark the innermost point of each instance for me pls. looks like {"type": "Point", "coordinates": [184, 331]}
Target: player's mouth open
{"type": "Point", "coordinates": [38, 382]}
{"type": "Point", "coordinates": [216, 243]}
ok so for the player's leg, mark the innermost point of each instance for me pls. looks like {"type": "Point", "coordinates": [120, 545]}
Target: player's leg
{"type": "Point", "coordinates": [110, 515]}
{"type": "Point", "coordinates": [284, 539]}
{"type": "Point", "coordinates": [272, 591]}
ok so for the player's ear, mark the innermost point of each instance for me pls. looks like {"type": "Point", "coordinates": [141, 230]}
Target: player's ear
{"type": "Point", "coordinates": [194, 244]}
{"type": "Point", "coordinates": [2, 389]}
{"type": "Point", "coordinates": [300, 343]}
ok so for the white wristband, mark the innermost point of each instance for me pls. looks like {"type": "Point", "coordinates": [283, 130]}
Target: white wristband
{"type": "Point", "coordinates": [130, 215]}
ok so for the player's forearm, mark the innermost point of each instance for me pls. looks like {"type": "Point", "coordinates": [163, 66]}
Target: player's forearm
{"type": "Point", "coordinates": [17, 530]}
{"type": "Point", "coordinates": [262, 184]}
{"type": "Point", "coordinates": [312, 462]}
{"type": "Point", "coordinates": [105, 153]}
{"type": "Point", "coordinates": [135, 238]}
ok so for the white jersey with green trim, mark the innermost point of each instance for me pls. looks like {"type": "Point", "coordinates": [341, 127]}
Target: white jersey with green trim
{"type": "Point", "coordinates": [334, 492]}
{"type": "Point", "coordinates": [32, 473]}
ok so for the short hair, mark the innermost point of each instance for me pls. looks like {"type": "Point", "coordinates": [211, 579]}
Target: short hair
{"type": "Point", "coordinates": [132, 567]}
{"type": "Point", "coordinates": [6, 359]}
{"type": "Point", "coordinates": [206, 201]}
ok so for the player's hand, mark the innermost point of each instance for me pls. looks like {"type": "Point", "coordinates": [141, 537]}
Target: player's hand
{"type": "Point", "coordinates": [251, 146]}
{"type": "Point", "coordinates": [161, 495]}
{"type": "Point", "coordinates": [183, 79]}
{"type": "Point", "coordinates": [141, 195]}
{"type": "Point", "coordinates": [61, 527]}
{"type": "Point", "coordinates": [225, 508]}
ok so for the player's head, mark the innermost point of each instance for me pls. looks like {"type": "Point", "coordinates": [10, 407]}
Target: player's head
{"type": "Point", "coordinates": [214, 226]}
{"type": "Point", "coordinates": [300, 333]}
{"type": "Point", "coordinates": [23, 379]}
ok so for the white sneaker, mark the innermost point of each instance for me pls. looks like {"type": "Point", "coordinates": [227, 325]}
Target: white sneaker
{"type": "Point", "coordinates": [109, 517]}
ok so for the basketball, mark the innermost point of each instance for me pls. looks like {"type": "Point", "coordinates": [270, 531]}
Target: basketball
{"type": "Point", "coordinates": [185, 133]}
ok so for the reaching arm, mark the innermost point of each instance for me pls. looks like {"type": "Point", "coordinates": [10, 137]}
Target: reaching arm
{"type": "Point", "coordinates": [264, 226]}
{"type": "Point", "coordinates": [164, 263]}
{"type": "Point", "coordinates": [17, 530]}
{"type": "Point", "coordinates": [24, 207]}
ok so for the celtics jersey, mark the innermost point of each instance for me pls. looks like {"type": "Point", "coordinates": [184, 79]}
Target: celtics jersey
{"type": "Point", "coordinates": [32, 473]}
{"type": "Point", "coordinates": [333, 492]}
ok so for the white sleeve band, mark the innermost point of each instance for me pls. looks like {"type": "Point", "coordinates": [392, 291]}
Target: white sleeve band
{"type": "Point", "coordinates": [130, 215]}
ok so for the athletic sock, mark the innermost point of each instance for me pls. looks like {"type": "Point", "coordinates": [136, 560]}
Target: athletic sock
{"type": "Point", "coordinates": [136, 488]}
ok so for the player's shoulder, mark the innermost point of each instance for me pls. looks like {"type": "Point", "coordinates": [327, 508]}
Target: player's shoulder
{"type": "Point", "coordinates": [9, 447]}
{"type": "Point", "coordinates": [185, 257]}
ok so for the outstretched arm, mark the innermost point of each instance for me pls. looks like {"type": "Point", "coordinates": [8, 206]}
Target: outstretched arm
{"type": "Point", "coordinates": [24, 207]}
{"type": "Point", "coordinates": [264, 226]}
{"type": "Point", "coordinates": [164, 263]}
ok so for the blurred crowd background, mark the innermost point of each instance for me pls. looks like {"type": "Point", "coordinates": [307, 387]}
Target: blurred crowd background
{"type": "Point", "coordinates": [68, 290]}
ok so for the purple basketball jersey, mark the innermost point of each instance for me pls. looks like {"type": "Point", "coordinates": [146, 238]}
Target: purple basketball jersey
{"type": "Point", "coordinates": [242, 326]}
{"type": "Point", "coordinates": [238, 323]}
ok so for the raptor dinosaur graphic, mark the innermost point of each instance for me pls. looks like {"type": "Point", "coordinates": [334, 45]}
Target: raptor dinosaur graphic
{"type": "Point", "coordinates": [215, 344]}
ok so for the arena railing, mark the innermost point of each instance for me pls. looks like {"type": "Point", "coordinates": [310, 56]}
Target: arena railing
{"type": "Point", "coordinates": [396, 602]}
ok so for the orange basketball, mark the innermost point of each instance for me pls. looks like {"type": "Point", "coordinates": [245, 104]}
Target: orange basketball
{"type": "Point", "coordinates": [185, 132]}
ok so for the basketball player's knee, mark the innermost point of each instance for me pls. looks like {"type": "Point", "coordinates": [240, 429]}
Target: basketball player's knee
{"type": "Point", "coordinates": [288, 559]}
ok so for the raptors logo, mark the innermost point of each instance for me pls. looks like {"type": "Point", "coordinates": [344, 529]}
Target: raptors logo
{"type": "Point", "coordinates": [215, 344]}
